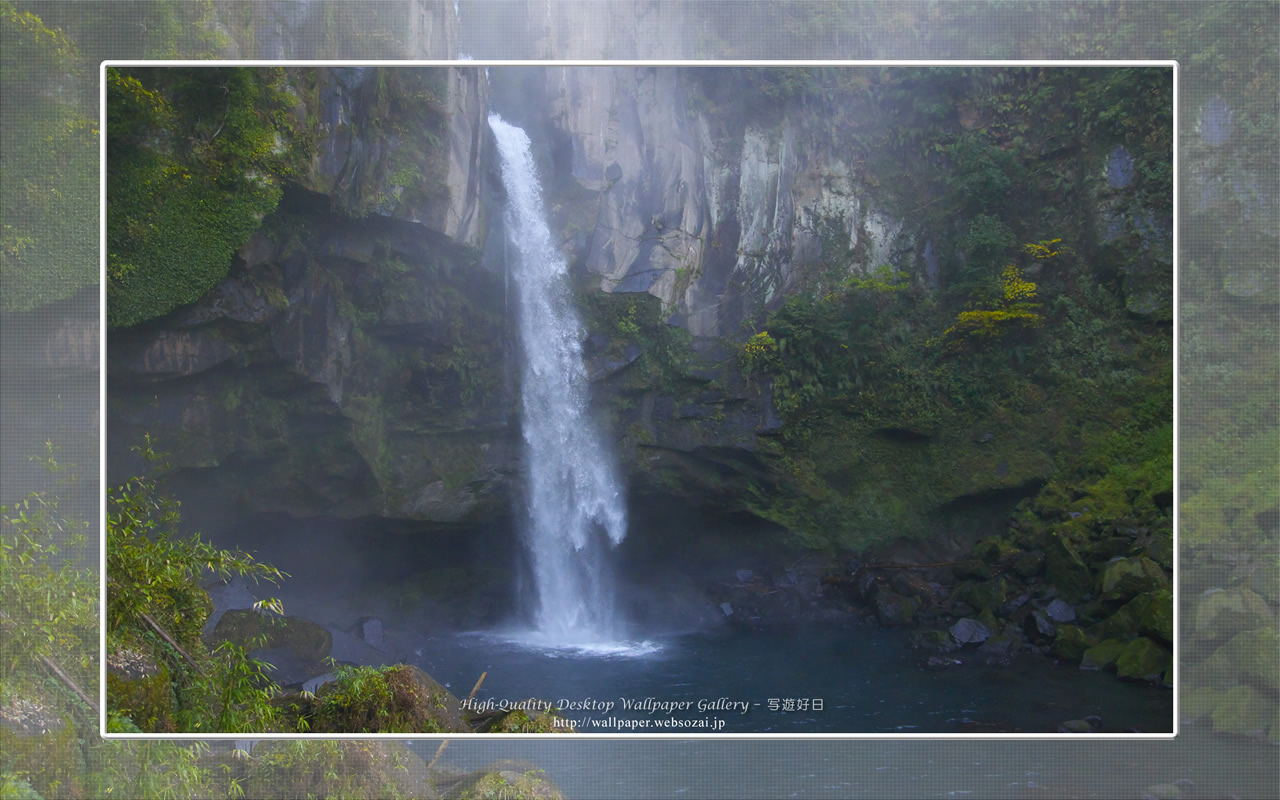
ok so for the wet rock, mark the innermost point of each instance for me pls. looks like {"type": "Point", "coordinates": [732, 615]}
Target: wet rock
{"type": "Point", "coordinates": [140, 688]}
{"type": "Point", "coordinates": [1070, 644]}
{"type": "Point", "coordinates": [1198, 704]}
{"type": "Point", "coordinates": [1038, 627]}
{"type": "Point", "coordinates": [908, 584]}
{"type": "Point", "coordinates": [1000, 646]}
{"type": "Point", "coordinates": [1249, 656]}
{"type": "Point", "coordinates": [1075, 726]}
{"type": "Point", "coordinates": [940, 641]}
{"type": "Point", "coordinates": [983, 595]}
{"type": "Point", "coordinates": [1152, 614]}
{"type": "Point", "coordinates": [1242, 710]}
{"type": "Point", "coordinates": [727, 609]}
{"type": "Point", "coordinates": [1065, 569]}
{"type": "Point", "coordinates": [994, 550]}
{"type": "Point", "coordinates": [1103, 654]}
{"type": "Point", "coordinates": [1222, 613]}
{"type": "Point", "coordinates": [894, 609]}
{"type": "Point", "coordinates": [1028, 563]}
{"type": "Point", "coordinates": [1144, 660]}
{"type": "Point", "coordinates": [744, 575]}
{"type": "Point", "coordinates": [1059, 611]}
{"type": "Point", "coordinates": [309, 642]}
{"type": "Point", "coordinates": [972, 568]}
{"type": "Point", "coordinates": [1128, 577]}
{"type": "Point", "coordinates": [370, 630]}
{"type": "Point", "coordinates": [970, 631]}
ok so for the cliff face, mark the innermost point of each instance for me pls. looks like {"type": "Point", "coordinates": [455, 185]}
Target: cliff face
{"type": "Point", "coordinates": [355, 362]}
{"type": "Point", "coordinates": [665, 183]}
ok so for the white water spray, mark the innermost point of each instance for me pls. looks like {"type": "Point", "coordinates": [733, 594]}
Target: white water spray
{"type": "Point", "coordinates": [576, 510]}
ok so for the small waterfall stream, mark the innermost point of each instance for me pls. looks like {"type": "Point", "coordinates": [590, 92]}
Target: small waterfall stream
{"type": "Point", "coordinates": [575, 500]}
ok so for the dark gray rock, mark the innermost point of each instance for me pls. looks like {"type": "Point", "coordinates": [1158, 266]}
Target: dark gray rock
{"type": "Point", "coordinates": [1060, 611]}
{"type": "Point", "coordinates": [970, 631]}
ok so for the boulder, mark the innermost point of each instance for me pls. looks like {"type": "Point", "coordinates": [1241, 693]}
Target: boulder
{"type": "Point", "coordinates": [1144, 660]}
{"type": "Point", "coordinates": [970, 631]}
{"type": "Point", "coordinates": [1059, 611]}
{"type": "Point", "coordinates": [1198, 704]}
{"type": "Point", "coordinates": [894, 609]}
{"type": "Point", "coordinates": [1223, 613]}
{"type": "Point", "coordinates": [1128, 577]}
{"type": "Point", "coordinates": [397, 699]}
{"type": "Point", "coordinates": [140, 688]}
{"type": "Point", "coordinates": [983, 595]}
{"type": "Point", "coordinates": [1065, 569]}
{"type": "Point", "coordinates": [1070, 643]}
{"type": "Point", "coordinates": [305, 640]}
{"type": "Point", "coordinates": [1152, 614]}
{"type": "Point", "coordinates": [1028, 563]}
{"type": "Point", "coordinates": [1103, 654]}
{"type": "Point", "coordinates": [1249, 657]}
{"type": "Point", "coordinates": [505, 778]}
{"type": "Point", "coordinates": [1242, 710]}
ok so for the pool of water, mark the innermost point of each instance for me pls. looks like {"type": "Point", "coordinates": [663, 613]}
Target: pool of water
{"type": "Point", "coordinates": [805, 679]}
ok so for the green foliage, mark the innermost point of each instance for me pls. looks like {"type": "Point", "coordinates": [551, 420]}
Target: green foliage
{"type": "Point", "coordinates": [48, 606]}
{"type": "Point", "coordinates": [374, 700]}
{"type": "Point", "coordinates": [48, 167]}
{"type": "Point", "coordinates": [195, 160]}
{"type": "Point", "coordinates": [154, 574]}
{"type": "Point", "coordinates": [758, 354]}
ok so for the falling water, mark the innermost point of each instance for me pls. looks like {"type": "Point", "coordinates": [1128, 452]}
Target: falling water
{"type": "Point", "coordinates": [576, 511]}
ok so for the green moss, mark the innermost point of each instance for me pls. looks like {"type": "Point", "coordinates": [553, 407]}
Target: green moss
{"type": "Point", "coordinates": [1241, 710]}
{"type": "Point", "coordinates": [193, 167]}
{"type": "Point", "coordinates": [1103, 655]}
{"type": "Point", "coordinates": [1144, 660]}
{"type": "Point", "coordinates": [394, 699]}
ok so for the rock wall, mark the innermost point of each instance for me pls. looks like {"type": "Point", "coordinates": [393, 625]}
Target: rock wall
{"type": "Point", "coordinates": [711, 204]}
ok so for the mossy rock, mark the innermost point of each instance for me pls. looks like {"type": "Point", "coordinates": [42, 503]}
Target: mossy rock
{"type": "Point", "coordinates": [1198, 704]}
{"type": "Point", "coordinates": [305, 639]}
{"type": "Point", "coordinates": [1070, 643]}
{"type": "Point", "coordinates": [349, 768]}
{"type": "Point", "coordinates": [1143, 660]}
{"type": "Point", "coordinates": [1103, 655]}
{"type": "Point", "coordinates": [1148, 614]}
{"type": "Point", "coordinates": [1265, 580]}
{"type": "Point", "coordinates": [1028, 563]}
{"type": "Point", "coordinates": [1065, 569]}
{"type": "Point", "coordinates": [894, 609]}
{"type": "Point", "coordinates": [933, 640]}
{"type": "Point", "coordinates": [1221, 614]}
{"type": "Point", "coordinates": [397, 699]}
{"type": "Point", "coordinates": [505, 779]}
{"type": "Point", "coordinates": [140, 688]}
{"type": "Point", "coordinates": [1249, 657]}
{"type": "Point", "coordinates": [983, 595]}
{"type": "Point", "coordinates": [1243, 710]}
{"type": "Point", "coordinates": [520, 721]}
{"type": "Point", "coordinates": [995, 550]}
{"type": "Point", "coordinates": [41, 745]}
{"type": "Point", "coordinates": [972, 569]}
{"type": "Point", "coordinates": [1129, 577]}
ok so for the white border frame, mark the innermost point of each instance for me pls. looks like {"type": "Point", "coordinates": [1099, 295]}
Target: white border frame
{"type": "Point", "coordinates": [581, 736]}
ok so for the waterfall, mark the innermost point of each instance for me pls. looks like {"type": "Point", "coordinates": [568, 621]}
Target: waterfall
{"type": "Point", "coordinates": [575, 502]}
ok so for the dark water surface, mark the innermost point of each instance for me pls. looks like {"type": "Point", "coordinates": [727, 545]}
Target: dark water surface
{"type": "Point", "coordinates": [819, 679]}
